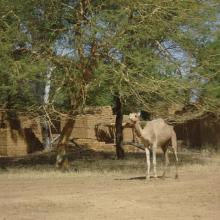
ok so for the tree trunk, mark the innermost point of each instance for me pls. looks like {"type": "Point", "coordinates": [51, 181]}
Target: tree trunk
{"type": "Point", "coordinates": [62, 161]}
{"type": "Point", "coordinates": [45, 124]}
{"type": "Point", "coordinates": [118, 128]}
{"type": "Point", "coordinates": [66, 132]}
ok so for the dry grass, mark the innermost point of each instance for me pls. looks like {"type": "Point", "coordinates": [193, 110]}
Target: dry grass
{"type": "Point", "coordinates": [134, 164]}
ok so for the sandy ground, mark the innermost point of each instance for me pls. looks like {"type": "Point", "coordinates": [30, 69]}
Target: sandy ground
{"type": "Point", "coordinates": [31, 196]}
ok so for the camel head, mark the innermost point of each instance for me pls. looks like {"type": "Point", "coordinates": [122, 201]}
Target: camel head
{"type": "Point", "coordinates": [134, 117]}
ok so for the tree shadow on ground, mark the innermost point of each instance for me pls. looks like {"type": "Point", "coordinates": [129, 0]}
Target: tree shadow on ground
{"type": "Point", "coordinates": [85, 159]}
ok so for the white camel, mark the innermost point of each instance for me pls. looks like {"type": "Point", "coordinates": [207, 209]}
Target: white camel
{"type": "Point", "coordinates": [156, 133]}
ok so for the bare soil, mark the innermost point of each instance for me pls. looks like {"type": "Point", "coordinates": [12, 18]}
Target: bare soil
{"type": "Point", "coordinates": [49, 195]}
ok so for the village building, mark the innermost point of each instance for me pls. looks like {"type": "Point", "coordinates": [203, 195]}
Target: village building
{"type": "Point", "coordinates": [21, 135]}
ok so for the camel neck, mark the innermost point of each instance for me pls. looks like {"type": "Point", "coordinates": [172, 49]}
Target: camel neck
{"type": "Point", "coordinates": [138, 128]}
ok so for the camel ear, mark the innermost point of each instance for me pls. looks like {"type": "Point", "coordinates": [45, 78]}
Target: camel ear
{"type": "Point", "coordinates": [139, 114]}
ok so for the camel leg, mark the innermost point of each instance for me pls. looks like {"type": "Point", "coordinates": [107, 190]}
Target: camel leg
{"type": "Point", "coordinates": [154, 161]}
{"type": "Point", "coordinates": [148, 163]}
{"type": "Point", "coordinates": [176, 161]}
{"type": "Point", "coordinates": [166, 160]}
{"type": "Point", "coordinates": [174, 149]}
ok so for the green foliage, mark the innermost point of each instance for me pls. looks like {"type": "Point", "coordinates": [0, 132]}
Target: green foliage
{"type": "Point", "coordinates": [19, 70]}
{"type": "Point", "coordinates": [101, 48]}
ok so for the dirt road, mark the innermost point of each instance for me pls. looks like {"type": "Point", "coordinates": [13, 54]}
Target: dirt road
{"type": "Point", "coordinates": [57, 196]}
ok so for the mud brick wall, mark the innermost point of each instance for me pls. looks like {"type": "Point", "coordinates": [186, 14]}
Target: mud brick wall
{"type": "Point", "coordinates": [12, 143]}
{"type": "Point", "coordinates": [98, 125]}
{"type": "Point", "coordinates": [96, 130]}
{"type": "Point", "coordinates": [20, 136]}
{"type": "Point", "coordinates": [86, 126]}
{"type": "Point", "coordinates": [33, 125]}
{"type": "Point", "coordinates": [16, 145]}
{"type": "Point", "coordinates": [198, 133]}
{"type": "Point", "coordinates": [3, 141]}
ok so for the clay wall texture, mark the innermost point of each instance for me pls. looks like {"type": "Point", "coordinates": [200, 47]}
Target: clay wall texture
{"type": "Point", "coordinates": [20, 136]}
{"type": "Point", "coordinates": [200, 133]}
{"type": "Point", "coordinates": [95, 129]}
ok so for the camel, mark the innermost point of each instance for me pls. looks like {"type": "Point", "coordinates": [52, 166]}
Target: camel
{"type": "Point", "coordinates": [156, 133]}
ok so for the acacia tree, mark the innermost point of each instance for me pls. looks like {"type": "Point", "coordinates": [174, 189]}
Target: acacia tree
{"type": "Point", "coordinates": [208, 69]}
{"type": "Point", "coordinates": [121, 46]}
{"type": "Point", "coordinates": [141, 65]}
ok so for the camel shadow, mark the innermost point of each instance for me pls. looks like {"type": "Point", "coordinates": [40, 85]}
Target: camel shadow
{"type": "Point", "coordinates": [141, 178]}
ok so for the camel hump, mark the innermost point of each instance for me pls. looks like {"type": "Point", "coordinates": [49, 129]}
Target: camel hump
{"type": "Point", "coordinates": [160, 127]}
{"type": "Point", "coordinates": [159, 122]}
